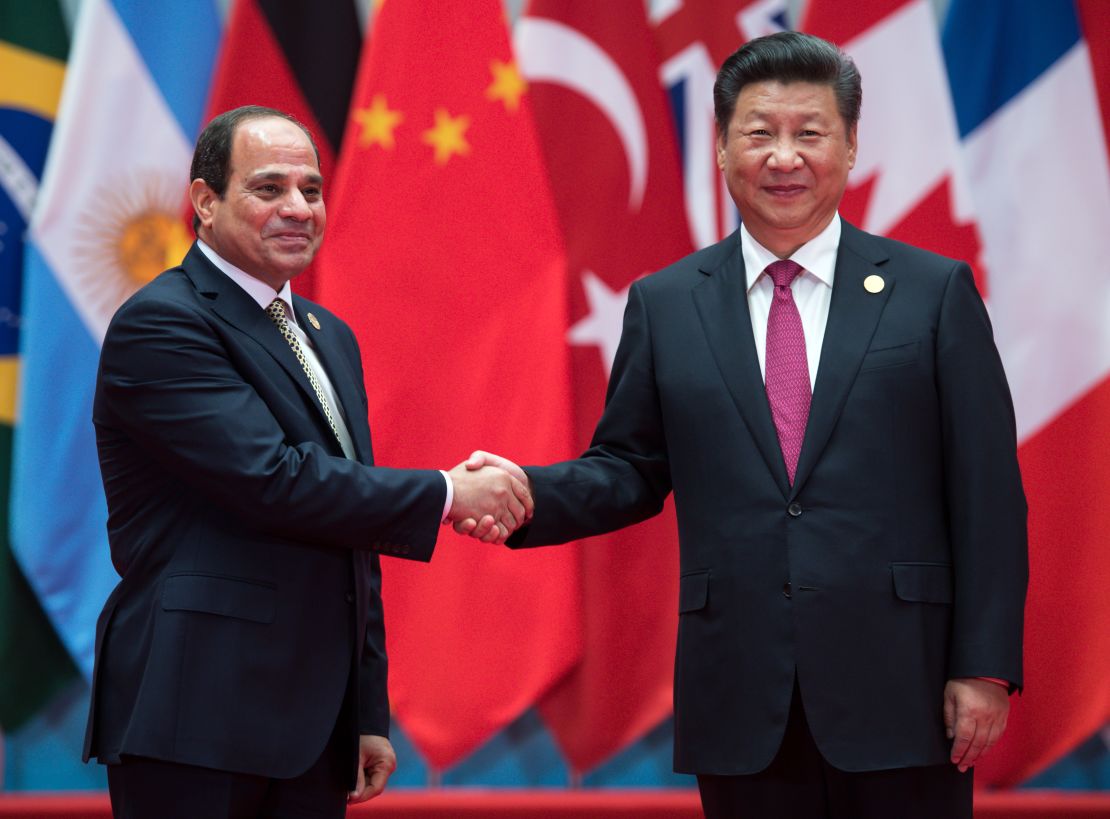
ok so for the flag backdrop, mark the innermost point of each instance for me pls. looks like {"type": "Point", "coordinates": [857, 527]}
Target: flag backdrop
{"type": "Point", "coordinates": [478, 328]}
{"type": "Point", "coordinates": [695, 37]}
{"type": "Point", "coordinates": [594, 74]}
{"type": "Point", "coordinates": [444, 255]}
{"type": "Point", "coordinates": [107, 219]}
{"type": "Point", "coordinates": [1033, 145]}
{"type": "Point", "coordinates": [32, 64]}
{"type": "Point", "coordinates": [271, 55]}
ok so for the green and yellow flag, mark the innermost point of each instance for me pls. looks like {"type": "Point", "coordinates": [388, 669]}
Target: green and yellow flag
{"type": "Point", "coordinates": [33, 45]}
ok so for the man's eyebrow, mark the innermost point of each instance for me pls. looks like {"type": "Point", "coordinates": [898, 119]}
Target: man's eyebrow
{"type": "Point", "coordinates": [279, 176]}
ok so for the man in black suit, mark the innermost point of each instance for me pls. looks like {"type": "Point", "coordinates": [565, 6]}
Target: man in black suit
{"type": "Point", "coordinates": [240, 662]}
{"type": "Point", "coordinates": [832, 415]}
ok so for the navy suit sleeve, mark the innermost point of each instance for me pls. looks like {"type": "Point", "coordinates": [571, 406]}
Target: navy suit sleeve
{"type": "Point", "coordinates": [624, 477]}
{"type": "Point", "coordinates": [986, 504]}
{"type": "Point", "coordinates": [168, 383]}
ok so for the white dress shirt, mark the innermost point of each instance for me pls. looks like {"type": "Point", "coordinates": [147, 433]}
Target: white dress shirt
{"type": "Point", "coordinates": [812, 290]}
{"type": "Point", "coordinates": [263, 294]}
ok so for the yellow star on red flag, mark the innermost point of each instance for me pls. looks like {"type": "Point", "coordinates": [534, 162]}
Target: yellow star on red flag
{"type": "Point", "coordinates": [507, 86]}
{"type": "Point", "coordinates": [378, 123]}
{"type": "Point", "coordinates": [448, 136]}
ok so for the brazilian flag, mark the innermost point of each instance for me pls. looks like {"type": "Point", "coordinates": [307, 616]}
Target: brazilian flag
{"type": "Point", "coordinates": [33, 47]}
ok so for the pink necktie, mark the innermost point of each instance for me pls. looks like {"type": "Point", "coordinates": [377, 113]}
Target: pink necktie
{"type": "Point", "coordinates": [787, 370]}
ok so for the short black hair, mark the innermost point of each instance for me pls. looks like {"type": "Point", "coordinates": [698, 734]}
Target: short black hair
{"type": "Point", "coordinates": [212, 156]}
{"type": "Point", "coordinates": [786, 57]}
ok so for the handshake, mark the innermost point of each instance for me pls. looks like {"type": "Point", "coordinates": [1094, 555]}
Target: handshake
{"type": "Point", "coordinates": [492, 498]}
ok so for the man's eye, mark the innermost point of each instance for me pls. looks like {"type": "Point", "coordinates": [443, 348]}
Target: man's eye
{"type": "Point", "coordinates": [312, 193]}
{"type": "Point", "coordinates": [759, 132]}
{"type": "Point", "coordinates": [267, 189]}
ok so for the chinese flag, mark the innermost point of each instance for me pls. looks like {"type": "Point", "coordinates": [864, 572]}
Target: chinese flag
{"type": "Point", "coordinates": [607, 135]}
{"type": "Point", "coordinates": [444, 254]}
{"type": "Point", "coordinates": [271, 56]}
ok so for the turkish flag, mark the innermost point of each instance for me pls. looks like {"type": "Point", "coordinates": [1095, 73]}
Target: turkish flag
{"type": "Point", "coordinates": [270, 56]}
{"type": "Point", "coordinates": [444, 255]}
{"type": "Point", "coordinates": [607, 138]}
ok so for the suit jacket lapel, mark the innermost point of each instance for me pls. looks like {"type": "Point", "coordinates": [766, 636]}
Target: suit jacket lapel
{"type": "Point", "coordinates": [853, 316]}
{"type": "Point", "coordinates": [234, 306]}
{"type": "Point", "coordinates": [722, 304]}
{"type": "Point", "coordinates": [340, 372]}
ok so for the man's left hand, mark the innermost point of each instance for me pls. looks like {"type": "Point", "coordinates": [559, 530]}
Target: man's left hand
{"type": "Point", "coordinates": [376, 761]}
{"type": "Point", "coordinates": [975, 713]}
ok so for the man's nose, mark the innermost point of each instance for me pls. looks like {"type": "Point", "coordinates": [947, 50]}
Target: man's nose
{"type": "Point", "coordinates": [295, 206]}
{"type": "Point", "coordinates": [785, 156]}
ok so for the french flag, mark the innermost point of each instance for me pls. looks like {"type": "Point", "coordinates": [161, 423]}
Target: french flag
{"type": "Point", "coordinates": [1026, 80]}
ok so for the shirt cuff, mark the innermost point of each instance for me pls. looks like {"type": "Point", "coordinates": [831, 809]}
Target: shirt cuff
{"type": "Point", "coordinates": [997, 681]}
{"type": "Point", "coordinates": [450, 497]}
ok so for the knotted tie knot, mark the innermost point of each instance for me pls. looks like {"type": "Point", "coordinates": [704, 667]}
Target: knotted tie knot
{"type": "Point", "coordinates": [783, 272]}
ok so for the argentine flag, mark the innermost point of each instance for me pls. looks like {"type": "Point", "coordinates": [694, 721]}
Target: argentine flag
{"type": "Point", "coordinates": [1035, 155]}
{"type": "Point", "coordinates": [108, 219]}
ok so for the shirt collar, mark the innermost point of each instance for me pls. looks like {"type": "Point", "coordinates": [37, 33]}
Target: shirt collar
{"type": "Point", "coordinates": [255, 288]}
{"type": "Point", "coordinates": [817, 256]}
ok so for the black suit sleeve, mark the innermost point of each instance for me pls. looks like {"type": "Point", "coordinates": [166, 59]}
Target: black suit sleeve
{"type": "Point", "coordinates": [168, 382]}
{"type": "Point", "coordinates": [986, 504]}
{"type": "Point", "coordinates": [624, 477]}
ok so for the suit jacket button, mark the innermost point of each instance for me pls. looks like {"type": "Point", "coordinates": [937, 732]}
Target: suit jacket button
{"type": "Point", "coordinates": [794, 510]}
{"type": "Point", "coordinates": [351, 598]}
{"type": "Point", "coordinates": [786, 590]}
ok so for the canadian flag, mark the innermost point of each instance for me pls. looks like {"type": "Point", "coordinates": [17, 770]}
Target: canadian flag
{"type": "Point", "coordinates": [961, 152]}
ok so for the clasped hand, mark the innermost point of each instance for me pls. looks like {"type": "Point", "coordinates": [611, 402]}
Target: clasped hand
{"type": "Point", "coordinates": [492, 498]}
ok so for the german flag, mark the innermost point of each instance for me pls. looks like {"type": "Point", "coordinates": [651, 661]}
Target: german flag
{"type": "Point", "coordinates": [299, 57]}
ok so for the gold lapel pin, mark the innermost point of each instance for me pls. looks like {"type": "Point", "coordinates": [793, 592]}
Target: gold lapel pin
{"type": "Point", "coordinates": [872, 284]}
{"type": "Point", "coordinates": [316, 324]}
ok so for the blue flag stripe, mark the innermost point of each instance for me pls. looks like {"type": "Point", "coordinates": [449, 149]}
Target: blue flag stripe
{"type": "Point", "coordinates": [179, 50]}
{"type": "Point", "coordinates": [58, 490]}
{"type": "Point", "coordinates": [995, 48]}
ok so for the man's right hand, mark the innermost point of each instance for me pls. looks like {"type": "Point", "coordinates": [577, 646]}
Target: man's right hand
{"type": "Point", "coordinates": [488, 501]}
{"type": "Point", "coordinates": [484, 528]}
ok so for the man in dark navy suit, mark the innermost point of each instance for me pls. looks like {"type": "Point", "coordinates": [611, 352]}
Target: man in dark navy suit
{"type": "Point", "coordinates": [240, 662]}
{"type": "Point", "coordinates": [831, 413]}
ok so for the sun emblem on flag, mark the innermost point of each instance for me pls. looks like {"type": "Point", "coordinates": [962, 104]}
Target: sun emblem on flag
{"type": "Point", "coordinates": [135, 231]}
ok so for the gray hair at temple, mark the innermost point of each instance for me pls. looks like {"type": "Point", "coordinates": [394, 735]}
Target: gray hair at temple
{"type": "Point", "coordinates": [786, 57]}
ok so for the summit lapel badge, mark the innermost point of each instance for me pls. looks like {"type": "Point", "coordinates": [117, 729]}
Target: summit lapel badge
{"type": "Point", "coordinates": [872, 284]}
{"type": "Point", "coordinates": [316, 324]}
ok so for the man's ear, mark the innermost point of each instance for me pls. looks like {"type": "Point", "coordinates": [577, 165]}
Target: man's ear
{"type": "Point", "coordinates": [721, 151]}
{"type": "Point", "coordinates": [204, 201]}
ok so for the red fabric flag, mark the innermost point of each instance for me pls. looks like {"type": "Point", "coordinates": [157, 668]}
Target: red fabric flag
{"type": "Point", "coordinates": [1067, 622]}
{"type": "Point", "coordinates": [444, 255]}
{"type": "Point", "coordinates": [907, 185]}
{"type": "Point", "coordinates": [270, 56]}
{"type": "Point", "coordinates": [608, 140]}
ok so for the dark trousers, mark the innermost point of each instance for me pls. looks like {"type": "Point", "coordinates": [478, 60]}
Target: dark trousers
{"type": "Point", "coordinates": [142, 788]}
{"type": "Point", "coordinates": [800, 784]}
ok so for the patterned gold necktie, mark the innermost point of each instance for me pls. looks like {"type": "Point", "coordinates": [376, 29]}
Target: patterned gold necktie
{"type": "Point", "coordinates": [276, 312]}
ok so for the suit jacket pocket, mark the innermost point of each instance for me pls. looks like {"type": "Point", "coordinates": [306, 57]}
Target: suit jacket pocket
{"type": "Point", "coordinates": [693, 591]}
{"type": "Point", "coordinates": [890, 356]}
{"type": "Point", "coordinates": [216, 594]}
{"type": "Point", "coordinates": [923, 582]}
